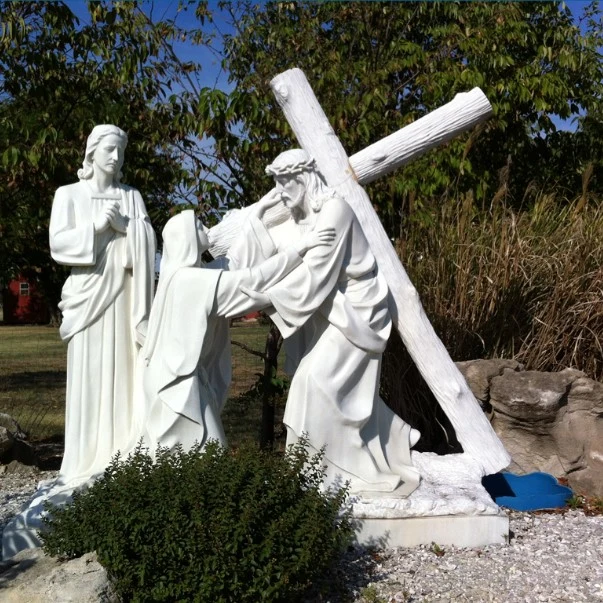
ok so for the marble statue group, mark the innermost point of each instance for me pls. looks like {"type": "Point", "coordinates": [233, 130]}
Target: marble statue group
{"type": "Point", "coordinates": [151, 362]}
{"type": "Point", "coordinates": [159, 370]}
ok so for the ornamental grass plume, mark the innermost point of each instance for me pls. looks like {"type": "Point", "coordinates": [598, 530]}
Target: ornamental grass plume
{"type": "Point", "coordinates": [499, 282]}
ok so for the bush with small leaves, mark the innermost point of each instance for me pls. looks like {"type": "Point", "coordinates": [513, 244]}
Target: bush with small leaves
{"type": "Point", "coordinates": [213, 525]}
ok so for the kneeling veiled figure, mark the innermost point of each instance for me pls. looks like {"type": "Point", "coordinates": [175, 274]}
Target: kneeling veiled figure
{"type": "Point", "coordinates": [186, 357]}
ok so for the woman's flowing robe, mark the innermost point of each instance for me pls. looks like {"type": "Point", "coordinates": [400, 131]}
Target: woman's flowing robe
{"type": "Point", "coordinates": [187, 353]}
{"type": "Point", "coordinates": [338, 301]}
{"type": "Point", "coordinates": [105, 305]}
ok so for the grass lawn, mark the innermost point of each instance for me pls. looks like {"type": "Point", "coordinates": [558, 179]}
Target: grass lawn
{"type": "Point", "coordinates": [33, 372]}
{"type": "Point", "coordinates": [32, 378]}
{"type": "Point", "coordinates": [242, 415]}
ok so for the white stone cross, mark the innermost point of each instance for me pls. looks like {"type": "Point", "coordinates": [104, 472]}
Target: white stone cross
{"type": "Point", "coordinates": [316, 136]}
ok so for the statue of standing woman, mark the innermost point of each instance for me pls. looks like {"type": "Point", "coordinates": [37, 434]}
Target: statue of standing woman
{"type": "Point", "coordinates": [101, 229]}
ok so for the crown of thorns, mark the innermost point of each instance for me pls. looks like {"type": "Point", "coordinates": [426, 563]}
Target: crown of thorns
{"type": "Point", "coordinates": [281, 168]}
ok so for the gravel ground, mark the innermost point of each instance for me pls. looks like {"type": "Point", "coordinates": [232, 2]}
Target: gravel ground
{"type": "Point", "coordinates": [550, 557]}
{"type": "Point", "coordinates": [17, 484]}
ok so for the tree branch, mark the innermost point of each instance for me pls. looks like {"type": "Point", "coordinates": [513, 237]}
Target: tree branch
{"type": "Point", "coordinates": [248, 349]}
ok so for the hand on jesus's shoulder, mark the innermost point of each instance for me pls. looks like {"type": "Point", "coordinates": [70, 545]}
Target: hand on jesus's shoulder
{"type": "Point", "coordinates": [334, 211]}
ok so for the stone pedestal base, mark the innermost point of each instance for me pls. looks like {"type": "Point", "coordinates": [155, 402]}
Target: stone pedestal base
{"type": "Point", "coordinates": [450, 507]}
{"type": "Point", "coordinates": [457, 530]}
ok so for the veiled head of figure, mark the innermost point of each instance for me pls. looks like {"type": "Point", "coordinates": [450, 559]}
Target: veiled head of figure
{"type": "Point", "coordinates": [105, 149]}
{"type": "Point", "coordinates": [184, 241]}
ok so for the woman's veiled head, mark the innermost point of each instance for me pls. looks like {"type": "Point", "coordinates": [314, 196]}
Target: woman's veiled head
{"type": "Point", "coordinates": [184, 241]}
{"type": "Point", "coordinates": [97, 134]}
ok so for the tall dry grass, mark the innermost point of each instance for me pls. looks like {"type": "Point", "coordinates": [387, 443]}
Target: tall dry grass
{"type": "Point", "coordinates": [525, 285]}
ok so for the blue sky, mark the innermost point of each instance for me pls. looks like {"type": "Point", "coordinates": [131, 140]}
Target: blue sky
{"type": "Point", "coordinates": [211, 74]}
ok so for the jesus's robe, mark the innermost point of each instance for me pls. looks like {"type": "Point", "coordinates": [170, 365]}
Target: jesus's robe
{"type": "Point", "coordinates": [338, 300]}
{"type": "Point", "coordinates": [105, 305]}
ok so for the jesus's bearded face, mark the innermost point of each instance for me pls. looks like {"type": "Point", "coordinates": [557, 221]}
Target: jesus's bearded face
{"type": "Point", "coordinates": [292, 190]}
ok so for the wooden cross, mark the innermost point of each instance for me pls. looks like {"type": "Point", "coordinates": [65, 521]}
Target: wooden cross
{"type": "Point", "coordinates": [316, 136]}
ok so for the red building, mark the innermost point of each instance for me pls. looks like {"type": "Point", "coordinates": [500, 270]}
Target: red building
{"type": "Point", "coordinates": [23, 304]}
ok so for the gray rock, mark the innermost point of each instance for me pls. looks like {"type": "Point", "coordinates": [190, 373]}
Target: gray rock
{"type": "Point", "coordinates": [531, 397]}
{"type": "Point", "coordinates": [479, 374]}
{"type": "Point", "coordinates": [20, 451]}
{"type": "Point", "coordinates": [6, 441]}
{"type": "Point", "coordinates": [17, 468]}
{"type": "Point", "coordinates": [551, 422]}
{"type": "Point", "coordinates": [578, 435]}
{"type": "Point", "coordinates": [526, 407]}
{"type": "Point", "coordinates": [32, 577]}
{"type": "Point", "coordinates": [11, 425]}
{"type": "Point", "coordinates": [13, 444]}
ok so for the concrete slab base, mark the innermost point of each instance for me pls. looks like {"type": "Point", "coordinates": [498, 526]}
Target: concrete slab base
{"type": "Point", "coordinates": [462, 531]}
{"type": "Point", "coordinates": [450, 507]}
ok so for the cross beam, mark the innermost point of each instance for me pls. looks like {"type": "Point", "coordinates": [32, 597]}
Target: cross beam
{"type": "Point", "coordinates": [317, 137]}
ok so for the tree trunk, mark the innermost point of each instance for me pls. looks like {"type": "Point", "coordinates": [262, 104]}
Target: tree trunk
{"type": "Point", "coordinates": [274, 341]}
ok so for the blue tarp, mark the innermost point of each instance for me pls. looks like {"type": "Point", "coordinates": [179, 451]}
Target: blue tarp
{"type": "Point", "coordinates": [529, 492]}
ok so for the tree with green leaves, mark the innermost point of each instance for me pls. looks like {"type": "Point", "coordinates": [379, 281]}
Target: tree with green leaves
{"type": "Point", "coordinates": [60, 77]}
{"type": "Point", "coordinates": [376, 67]}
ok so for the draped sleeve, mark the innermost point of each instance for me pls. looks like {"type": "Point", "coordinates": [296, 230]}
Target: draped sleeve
{"type": "Point", "coordinates": [71, 241]}
{"type": "Point", "coordinates": [231, 301]}
{"type": "Point", "coordinates": [252, 247]}
{"type": "Point", "coordinates": [140, 257]}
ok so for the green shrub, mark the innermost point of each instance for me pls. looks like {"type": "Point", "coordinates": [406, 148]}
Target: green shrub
{"type": "Point", "coordinates": [214, 526]}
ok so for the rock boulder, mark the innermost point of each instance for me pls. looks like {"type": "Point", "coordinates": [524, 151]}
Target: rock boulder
{"type": "Point", "coordinates": [32, 577]}
{"type": "Point", "coordinates": [13, 443]}
{"type": "Point", "coordinates": [550, 422]}
{"type": "Point", "coordinates": [479, 374]}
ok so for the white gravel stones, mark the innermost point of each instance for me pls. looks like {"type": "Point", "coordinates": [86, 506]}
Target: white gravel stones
{"type": "Point", "coordinates": [551, 558]}
{"type": "Point", "coordinates": [16, 489]}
